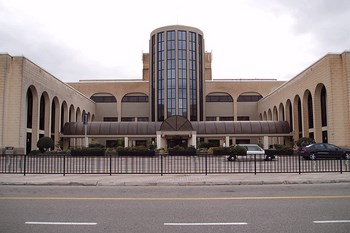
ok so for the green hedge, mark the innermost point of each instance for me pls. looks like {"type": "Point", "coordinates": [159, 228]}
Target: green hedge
{"type": "Point", "coordinates": [88, 152]}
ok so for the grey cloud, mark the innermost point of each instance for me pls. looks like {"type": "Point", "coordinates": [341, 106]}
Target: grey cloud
{"type": "Point", "coordinates": [328, 21]}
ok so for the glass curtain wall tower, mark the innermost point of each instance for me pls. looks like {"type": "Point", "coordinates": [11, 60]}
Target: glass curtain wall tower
{"type": "Point", "coordinates": [176, 72]}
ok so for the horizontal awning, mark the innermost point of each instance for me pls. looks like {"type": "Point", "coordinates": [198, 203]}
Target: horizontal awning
{"type": "Point", "coordinates": [201, 128]}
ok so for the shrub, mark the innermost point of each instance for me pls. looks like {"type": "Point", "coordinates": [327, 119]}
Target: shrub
{"type": "Point", "coordinates": [45, 143]}
{"type": "Point", "coordinates": [136, 150]}
{"type": "Point", "coordinates": [88, 152]}
{"type": "Point", "coordinates": [205, 145]}
{"type": "Point", "coordinates": [238, 150]}
{"type": "Point", "coordinates": [96, 145]}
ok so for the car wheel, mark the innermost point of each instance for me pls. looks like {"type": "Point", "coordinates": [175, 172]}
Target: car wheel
{"type": "Point", "coordinates": [268, 158]}
{"type": "Point", "coordinates": [312, 156]}
{"type": "Point", "coordinates": [347, 156]}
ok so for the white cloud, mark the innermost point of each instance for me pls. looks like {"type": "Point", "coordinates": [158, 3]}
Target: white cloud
{"type": "Point", "coordinates": [76, 39]}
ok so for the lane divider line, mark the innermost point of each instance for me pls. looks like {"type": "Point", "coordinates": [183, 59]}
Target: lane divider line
{"type": "Point", "coordinates": [205, 223]}
{"type": "Point", "coordinates": [63, 223]}
{"type": "Point", "coordinates": [333, 221]}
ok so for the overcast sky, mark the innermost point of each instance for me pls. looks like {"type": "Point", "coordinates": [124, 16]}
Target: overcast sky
{"type": "Point", "coordinates": [105, 39]}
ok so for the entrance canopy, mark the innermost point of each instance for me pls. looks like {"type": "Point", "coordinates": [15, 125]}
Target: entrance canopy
{"type": "Point", "coordinates": [176, 123]}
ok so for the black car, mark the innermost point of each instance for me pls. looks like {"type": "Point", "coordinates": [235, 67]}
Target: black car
{"type": "Point", "coordinates": [324, 151]}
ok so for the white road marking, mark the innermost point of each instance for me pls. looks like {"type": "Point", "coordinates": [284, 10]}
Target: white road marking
{"type": "Point", "coordinates": [333, 221]}
{"type": "Point", "coordinates": [205, 223]}
{"type": "Point", "coordinates": [63, 223]}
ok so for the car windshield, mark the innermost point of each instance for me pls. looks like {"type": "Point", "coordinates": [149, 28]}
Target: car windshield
{"type": "Point", "coordinates": [253, 148]}
{"type": "Point", "coordinates": [332, 147]}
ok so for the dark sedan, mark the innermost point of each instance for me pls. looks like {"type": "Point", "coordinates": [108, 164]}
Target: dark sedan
{"type": "Point", "coordinates": [324, 151]}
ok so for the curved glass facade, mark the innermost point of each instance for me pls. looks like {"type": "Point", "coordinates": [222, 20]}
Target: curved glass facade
{"type": "Point", "coordinates": [176, 73]}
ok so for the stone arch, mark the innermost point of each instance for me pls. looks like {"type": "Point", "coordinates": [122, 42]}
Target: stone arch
{"type": "Point", "coordinates": [78, 116]}
{"type": "Point", "coordinates": [72, 116]}
{"type": "Point", "coordinates": [269, 115]}
{"type": "Point", "coordinates": [281, 116]}
{"type": "Point", "coordinates": [265, 116]}
{"type": "Point", "coordinates": [320, 110]}
{"type": "Point", "coordinates": [32, 118]}
{"type": "Point", "coordinates": [220, 105]}
{"type": "Point", "coordinates": [55, 119]}
{"type": "Point", "coordinates": [308, 114]}
{"type": "Point", "coordinates": [64, 114]}
{"type": "Point", "coordinates": [135, 107]}
{"type": "Point", "coordinates": [44, 115]}
{"type": "Point", "coordinates": [297, 118]}
{"type": "Point", "coordinates": [289, 114]}
{"type": "Point", "coordinates": [274, 114]}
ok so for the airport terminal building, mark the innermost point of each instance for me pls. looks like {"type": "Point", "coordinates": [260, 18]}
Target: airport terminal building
{"type": "Point", "coordinates": [175, 102]}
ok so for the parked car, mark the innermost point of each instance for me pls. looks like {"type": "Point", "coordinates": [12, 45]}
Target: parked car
{"type": "Point", "coordinates": [252, 149]}
{"type": "Point", "coordinates": [324, 151]}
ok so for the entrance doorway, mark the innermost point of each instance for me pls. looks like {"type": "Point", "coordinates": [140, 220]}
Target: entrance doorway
{"type": "Point", "coordinates": [177, 142]}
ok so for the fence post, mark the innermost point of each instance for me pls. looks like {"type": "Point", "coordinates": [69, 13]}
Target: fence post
{"type": "Point", "coordinates": [161, 164]}
{"type": "Point", "coordinates": [299, 163]}
{"type": "Point", "coordinates": [24, 164]}
{"type": "Point", "coordinates": [110, 164]}
{"type": "Point", "coordinates": [206, 164]}
{"type": "Point", "coordinates": [254, 164]}
{"type": "Point", "coordinates": [341, 164]}
{"type": "Point", "coordinates": [64, 164]}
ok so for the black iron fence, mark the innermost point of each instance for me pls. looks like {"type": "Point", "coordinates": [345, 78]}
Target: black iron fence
{"type": "Point", "coordinates": [165, 164]}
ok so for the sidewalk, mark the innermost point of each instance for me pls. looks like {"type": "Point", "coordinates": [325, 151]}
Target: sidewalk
{"type": "Point", "coordinates": [174, 180]}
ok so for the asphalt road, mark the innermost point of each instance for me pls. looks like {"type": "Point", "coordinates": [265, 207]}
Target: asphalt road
{"type": "Point", "coordinates": [287, 208]}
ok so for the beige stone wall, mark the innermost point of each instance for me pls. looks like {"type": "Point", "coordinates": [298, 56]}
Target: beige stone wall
{"type": "Point", "coordinates": [332, 72]}
{"type": "Point", "coordinates": [117, 88]}
{"type": "Point", "coordinates": [12, 104]}
{"type": "Point", "coordinates": [18, 74]}
{"type": "Point", "coordinates": [237, 87]}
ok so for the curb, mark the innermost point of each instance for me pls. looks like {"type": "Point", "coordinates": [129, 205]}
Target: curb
{"type": "Point", "coordinates": [204, 183]}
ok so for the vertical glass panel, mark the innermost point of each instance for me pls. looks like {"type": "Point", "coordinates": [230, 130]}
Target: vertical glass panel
{"type": "Point", "coordinates": [160, 75]}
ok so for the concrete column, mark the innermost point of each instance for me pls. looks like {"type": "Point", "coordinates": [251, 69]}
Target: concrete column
{"type": "Point", "coordinates": [159, 140]}
{"type": "Point", "coordinates": [235, 110]}
{"type": "Point", "coordinates": [193, 140]}
{"type": "Point", "coordinates": [227, 141]}
{"type": "Point", "coordinates": [126, 142]}
{"type": "Point", "coordinates": [266, 142]}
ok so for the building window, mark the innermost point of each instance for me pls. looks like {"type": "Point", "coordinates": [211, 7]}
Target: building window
{"type": "Point", "coordinates": [103, 99]}
{"type": "Point", "coordinates": [243, 118]}
{"type": "Point", "coordinates": [143, 119]}
{"type": "Point", "coordinates": [171, 73]}
{"type": "Point", "coordinates": [160, 76]}
{"type": "Point", "coordinates": [249, 98]}
{"type": "Point", "coordinates": [128, 119]}
{"type": "Point", "coordinates": [42, 113]}
{"type": "Point", "coordinates": [226, 118]}
{"type": "Point", "coordinates": [219, 98]}
{"type": "Point", "coordinates": [310, 111]}
{"type": "Point", "coordinates": [135, 99]}
{"type": "Point", "coordinates": [110, 119]}
{"type": "Point", "coordinates": [29, 109]}
{"type": "Point", "coordinates": [182, 73]}
{"type": "Point", "coordinates": [193, 75]}
{"type": "Point", "coordinates": [210, 118]}
{"type": "Point", "coordinates": [324, 107]}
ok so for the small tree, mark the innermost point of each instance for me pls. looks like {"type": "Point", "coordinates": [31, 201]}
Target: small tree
{"type": "Point", "coordinates": [44, 143]}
